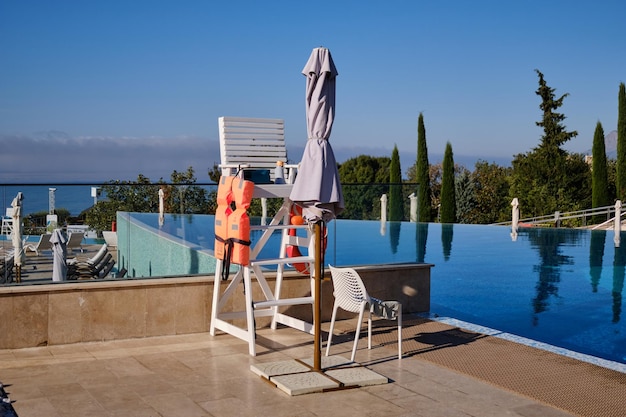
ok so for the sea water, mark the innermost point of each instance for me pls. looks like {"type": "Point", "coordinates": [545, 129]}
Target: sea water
{"type": "Point", "coordinates": [74, 198]}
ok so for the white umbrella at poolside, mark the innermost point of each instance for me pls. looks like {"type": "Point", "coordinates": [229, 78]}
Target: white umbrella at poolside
{"type": "Point", "coordinates": [59, 255]}
{"type": "Point", "coordinates": [514, 218]}
{"type": "Point", "coordinates": [16, 236]}
{"type": "Point", "coordinates": [161, 207]}
{"type": "Point", "coordinates": [617, 223]}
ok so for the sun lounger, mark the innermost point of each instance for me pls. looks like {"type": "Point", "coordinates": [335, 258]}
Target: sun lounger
{"type": "Point", "coordinates": [6, 268]}
{"type": "Point", "coordinates": [110, 238]}
{"type": "Point", "coordinates": [93, 260]}
{"type": "Point", "coordinates": [41, 245]}
{"type": "Point", "coordinates": [86, 270]}
{"type": "Point", "coordinates": [75, 241]}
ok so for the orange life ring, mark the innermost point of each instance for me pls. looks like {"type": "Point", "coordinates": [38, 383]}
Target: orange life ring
{"type": "Point", "coordinates": [292, 251]}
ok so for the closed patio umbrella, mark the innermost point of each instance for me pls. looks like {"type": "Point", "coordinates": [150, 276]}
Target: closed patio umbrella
{"type": "Point", "coordinates": [317, 188]}
{"type": "Point", "coordinates": [59, 255]}
{"type": "Point", "coordinates": [16, 237]}
{"type": "Point", "coordinates": [514, 218]}
{"type": "Point", "coordinates": [161, 207]}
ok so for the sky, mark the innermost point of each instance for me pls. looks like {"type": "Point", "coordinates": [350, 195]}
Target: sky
{"type": "Point", "coordinates": [99, 90]}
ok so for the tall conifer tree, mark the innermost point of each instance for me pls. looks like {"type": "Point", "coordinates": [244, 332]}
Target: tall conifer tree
{"type": "Point", "coordinates": [396, 205]}
{"type": "Point", "coordinates": [599, 172]}
{"type": "Point", "coordinates": [621, 143]}
{"type": "Point", "coordinates": [422, 173]}
{"type": "Point", "coordinates": [448, 197]}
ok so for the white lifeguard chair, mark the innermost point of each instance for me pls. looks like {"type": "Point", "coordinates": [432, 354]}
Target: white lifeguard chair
{"type": "Point", "coordinates": [258, 144]}
{"type": "Point", "coordinates": [7, 222]}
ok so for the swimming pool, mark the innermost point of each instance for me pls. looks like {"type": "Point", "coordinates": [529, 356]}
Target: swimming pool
{"type": "Point", "coordinates": [558, 286]}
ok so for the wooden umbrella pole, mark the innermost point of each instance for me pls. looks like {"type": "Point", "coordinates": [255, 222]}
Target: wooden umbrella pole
{"type": "Point", "coordinates": [317, 310]}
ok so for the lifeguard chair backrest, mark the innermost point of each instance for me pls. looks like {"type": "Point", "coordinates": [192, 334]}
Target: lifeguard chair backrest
{"type": "Point", "coordinates": [252, 142]}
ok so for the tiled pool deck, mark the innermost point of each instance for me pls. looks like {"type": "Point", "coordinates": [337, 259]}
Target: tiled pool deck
{"type": "Point", "coordinates": [201, 375]}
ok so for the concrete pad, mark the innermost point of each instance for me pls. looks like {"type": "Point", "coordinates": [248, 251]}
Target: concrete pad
{"type": "Point", "coordinates": [333, 361]}
{"type": "Point", "coordinates": [357, 376]}
{"type": "Point", "coordinates": [303, 383]}
{"type": "Point", "coordinates": [296, 378]}
{"type": "Point", "coordinates": [270, 369]}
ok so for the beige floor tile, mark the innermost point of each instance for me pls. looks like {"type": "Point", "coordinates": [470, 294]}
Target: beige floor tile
{"type": "Point", "coordinates": [175, 405]}
{"type": "Point", "coordinates": [35, 408]}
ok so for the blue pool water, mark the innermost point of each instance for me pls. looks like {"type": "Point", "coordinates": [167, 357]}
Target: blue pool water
{"type": "Point", "coordinates": [563, 287]}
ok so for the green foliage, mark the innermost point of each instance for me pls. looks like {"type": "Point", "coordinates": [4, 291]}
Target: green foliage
{"type": "Point", "coordinates": [396, 203]}
{"type": "Point", "coordinates": [465, 194]}
{"type": "Point", "coordinates": [599, 177]}
{"type": "Point", "coordinates": [422, 168]}
{"type": "Point", "coordinates": [448, 198]}
{"type": "Point", "coordinates": [188, 198]}
{"type": "Point", "coordinates": [181, 196]}
{"type": "Point", "coordinates": [484, 198]}
{"type": "Point", "coordinates": [621, 143]}
{"type": "Point", "coordinates": [554, 133]}
{"type": "Point", "coordinates": [540, 178]}
{"type": "Point", "coordinates": [357, 175]}
{"type": "Point", "coordinates": [35, 223]}
{"type": "Point", "coordinates": [215, 173]}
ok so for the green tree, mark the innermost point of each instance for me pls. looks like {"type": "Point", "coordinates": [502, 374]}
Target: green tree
{"type": "Point", "coordinates": [186, 198]}
{"type": "Point", "coordinates": [621, 143]}
{"type": "Point", "coordinates": [539, 177]}
{"type": "Point", "coordinates": [359, 177]}
{"type": "Point", "coordinates": [422, 174]}
{"type": "Point", "coordinates": [396, 203]}
{"type": "Point", "coordinates": [491, 194]}
{"type": "Point", "coordinates": [448, 198]}
{"type": "Point", "coordinates": [599, 173]}
{"type": "Point", "coordinates": [465, 195]}
{"type": "Point", "coordinates": [143, 196]}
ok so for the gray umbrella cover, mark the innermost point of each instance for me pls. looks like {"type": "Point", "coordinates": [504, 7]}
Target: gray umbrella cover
{"type": "Point", "coordinates": [317, 188]}
{"type": "Point", "coordinates": [59, 255]}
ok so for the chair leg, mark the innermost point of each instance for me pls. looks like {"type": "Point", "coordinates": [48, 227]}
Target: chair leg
{"type": "Point", "coordinates": [400, 331]}
{"type": "Point", "coordinates": [332, 327]}
{"type": "Point", "coordinates": [369, 329]}
{"type": "Point", "coordinates": [358, 333]}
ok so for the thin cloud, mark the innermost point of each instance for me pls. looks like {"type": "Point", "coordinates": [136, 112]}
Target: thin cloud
{"type": "Point", "coordinates": [56, 156]}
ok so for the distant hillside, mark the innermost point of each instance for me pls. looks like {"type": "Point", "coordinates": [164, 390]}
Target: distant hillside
{"type": "Point", "coordinates": [610, 145]}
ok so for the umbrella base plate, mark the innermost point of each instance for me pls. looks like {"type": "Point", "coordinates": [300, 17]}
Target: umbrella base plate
{"type": "Point", "coordinates": [297, 377]}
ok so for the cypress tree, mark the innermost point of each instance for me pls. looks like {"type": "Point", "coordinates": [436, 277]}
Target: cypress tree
{"type": "Point", "coordinates": [422, 173]}
{"type": "Point", "coordinates": [599, 172]}
{"type": "Point", "coordinates": [621, 143]}
{"type": "Point", "coordinates": [396, 206]}
{"type": "Point", "coordinates": [448, 198]}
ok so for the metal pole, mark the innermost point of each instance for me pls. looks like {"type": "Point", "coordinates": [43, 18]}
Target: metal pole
{"type": "Point", "coordinates": [317, 310]}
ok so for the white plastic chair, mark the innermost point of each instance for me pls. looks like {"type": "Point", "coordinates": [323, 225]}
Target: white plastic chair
{"type": "Point", "coordinates": [351, 295]}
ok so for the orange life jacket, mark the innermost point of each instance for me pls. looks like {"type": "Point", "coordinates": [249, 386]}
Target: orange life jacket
{"type": "Point", "coordinates": [239, 222]}
{"type": "Point", "coordinates": [224, 200]}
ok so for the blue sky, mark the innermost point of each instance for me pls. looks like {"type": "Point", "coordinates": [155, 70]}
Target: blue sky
{"type": "Point", "coordinates": [105, 88]}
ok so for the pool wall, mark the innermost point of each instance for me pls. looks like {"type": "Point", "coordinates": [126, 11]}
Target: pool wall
{"type": "Point", "coordinates": [71, 312]}
{"type": "Point", "coordinates": [146, 252]}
